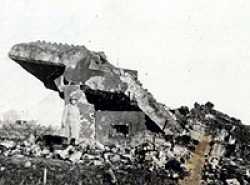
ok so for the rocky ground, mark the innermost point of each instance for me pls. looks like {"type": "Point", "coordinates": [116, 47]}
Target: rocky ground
{"type": "Point", "coordinates": [213, 149]}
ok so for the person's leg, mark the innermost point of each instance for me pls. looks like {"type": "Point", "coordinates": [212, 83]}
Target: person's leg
{"type": "Point", "coordinates": [76, 133]}
{"type": "Point", "coordinates": [69, 134]}
{"type": "Point", "coordinates": [77, 136]}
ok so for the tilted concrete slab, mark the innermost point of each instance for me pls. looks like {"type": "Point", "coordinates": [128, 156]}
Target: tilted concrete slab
{"type": "Point", "coordinates": [59, 65]}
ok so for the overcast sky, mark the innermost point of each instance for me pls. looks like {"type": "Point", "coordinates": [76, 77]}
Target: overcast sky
{"type": "Point", "coordinates": [185, 51]}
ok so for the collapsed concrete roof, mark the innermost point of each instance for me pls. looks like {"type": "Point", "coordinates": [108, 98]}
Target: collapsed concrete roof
{"type": "Point", "coordinates": [57, 65]}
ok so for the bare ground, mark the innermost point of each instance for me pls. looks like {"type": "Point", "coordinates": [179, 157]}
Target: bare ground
{"type": "Point", "coordinates": [196, 163]}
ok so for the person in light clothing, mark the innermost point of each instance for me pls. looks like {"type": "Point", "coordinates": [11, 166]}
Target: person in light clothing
{"type": "Point", "coordinates": [71, 121]}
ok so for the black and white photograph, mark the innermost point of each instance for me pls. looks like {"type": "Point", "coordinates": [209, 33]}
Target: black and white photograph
{"type": "Point", "coordinates": [112, 92]}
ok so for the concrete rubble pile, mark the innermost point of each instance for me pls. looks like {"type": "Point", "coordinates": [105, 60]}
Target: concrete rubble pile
{"type": "Point", "coordinates": [167, 157]}
{"type": "Point", "coordinates": [19, 132]}
{"type": "Point", "coordinates": [227, 160]}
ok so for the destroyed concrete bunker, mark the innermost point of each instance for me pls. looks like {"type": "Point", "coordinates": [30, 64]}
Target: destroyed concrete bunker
{"type": "Point", "coordinates": [115, 106]}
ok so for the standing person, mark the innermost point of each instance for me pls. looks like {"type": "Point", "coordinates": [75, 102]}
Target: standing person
{"type": "Point", "coordinates": [71, 121]}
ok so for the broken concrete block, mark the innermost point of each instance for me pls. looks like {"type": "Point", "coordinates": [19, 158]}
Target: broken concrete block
{"type": "Point", "coordinates": [114, 158]}
{"type": "Point", "coordinates": [8, 144]}
{"type": "Point", "coordinates": [27, 164]}
{"type": "Point", "coordinates": [76, 156]}
{"type": "Point", "coordinates": [232, 182]}
{"type": "Point", "coordinates": [45, 152]}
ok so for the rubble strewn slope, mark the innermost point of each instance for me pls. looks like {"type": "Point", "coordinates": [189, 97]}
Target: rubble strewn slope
{"type": "Point", "coordinates": [169, 160]}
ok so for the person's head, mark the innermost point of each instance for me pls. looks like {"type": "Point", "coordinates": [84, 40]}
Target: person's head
{"type": "Point", "coordinates": [73, 101]}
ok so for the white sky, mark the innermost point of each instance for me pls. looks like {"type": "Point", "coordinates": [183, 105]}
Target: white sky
{"type": "Point", "coordinates": [185, 51]}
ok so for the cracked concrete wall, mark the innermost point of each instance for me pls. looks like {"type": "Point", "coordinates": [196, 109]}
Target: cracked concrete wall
{"type": "Point", "coordinates": [131, 122]}
{"type": "Point", "coordinates": [98, 124]}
